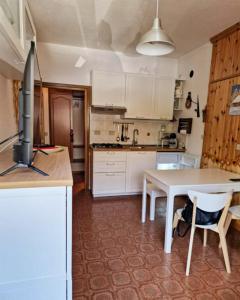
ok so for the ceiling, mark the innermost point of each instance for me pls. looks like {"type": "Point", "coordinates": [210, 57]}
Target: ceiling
{"type": "Point", "coordinates": [118, 24]}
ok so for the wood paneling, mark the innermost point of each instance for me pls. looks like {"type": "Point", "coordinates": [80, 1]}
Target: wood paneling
{"type": "Point", "coordinates": [222, 131]}
{"type": "Point", "coordinates": [226, 56]}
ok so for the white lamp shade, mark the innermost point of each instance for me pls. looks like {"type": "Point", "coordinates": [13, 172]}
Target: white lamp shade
{"type": "Point", "coordinates": [155, 42]}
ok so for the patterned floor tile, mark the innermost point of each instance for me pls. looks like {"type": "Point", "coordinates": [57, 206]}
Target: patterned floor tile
{"type": "Point", "coordinates": [117, 257]}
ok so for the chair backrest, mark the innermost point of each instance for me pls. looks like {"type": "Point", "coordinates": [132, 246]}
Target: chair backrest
{"type": "Point", "coordinates": [210, 202]}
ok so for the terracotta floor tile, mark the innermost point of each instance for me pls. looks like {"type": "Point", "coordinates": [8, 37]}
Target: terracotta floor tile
{"type": "Point", "coordinates": [117, 257]}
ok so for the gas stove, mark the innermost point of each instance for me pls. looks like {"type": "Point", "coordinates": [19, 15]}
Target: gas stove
{"type": "Point", "coordinates": [107, 145]}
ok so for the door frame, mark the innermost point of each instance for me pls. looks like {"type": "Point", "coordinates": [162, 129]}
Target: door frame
{"type": "Point", "coordinates": [87, 101]}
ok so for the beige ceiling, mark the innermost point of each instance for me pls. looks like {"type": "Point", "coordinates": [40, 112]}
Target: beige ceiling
{"type": "Point", "coordinates": [117, 24]}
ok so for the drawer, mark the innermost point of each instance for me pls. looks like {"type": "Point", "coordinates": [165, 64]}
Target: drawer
{"type": "Point", "coordinates": [109, 166]}
{"type": "Point", "coordinates": [109, 183]}
{"type": "Point", "coordinates": [109, 156]}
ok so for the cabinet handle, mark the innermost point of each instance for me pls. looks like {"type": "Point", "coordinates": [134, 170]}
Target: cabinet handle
{"type": "Point", "coordinates": [110, 164]}
{"type": "Point", "coordinates": [110, 174]}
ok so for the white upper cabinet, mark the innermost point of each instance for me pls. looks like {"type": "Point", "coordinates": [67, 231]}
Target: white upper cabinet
{"type": "Point", "coordinates": [16, 31]}
{"type": "Point", "coordinates": [144, 96]}
{"type": "Point", "coordinates": [163, 98]}
{"type": "Point", "coordinates": [139, 96]}
{"type": "Point", "coordinates": [108, 88]}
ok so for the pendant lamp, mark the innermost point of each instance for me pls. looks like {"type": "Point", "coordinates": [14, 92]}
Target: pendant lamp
{"type": "Point", "coordinates": [155, 42]}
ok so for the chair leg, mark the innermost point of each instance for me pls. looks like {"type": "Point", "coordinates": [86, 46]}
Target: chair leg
{"type": "Point", "coordinates": [152, 206]}
{"type": "Point", "coordinates": [190, 250]}
{"type": "Point", "coordinates": [204, 237]}
{"type": "Point", "coordinates": [225, 250]}
{"type": "Point", "coordinates": [226, 225]}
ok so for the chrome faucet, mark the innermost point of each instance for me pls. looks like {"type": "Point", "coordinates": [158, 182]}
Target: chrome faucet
{"type": "Point", "coordinates": [134, 141]}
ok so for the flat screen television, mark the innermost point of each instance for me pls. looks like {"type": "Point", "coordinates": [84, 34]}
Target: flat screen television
{"type": "Point", "coordinates": [23, 150]}
{"type": "Point", "coordinates": [23, 154]}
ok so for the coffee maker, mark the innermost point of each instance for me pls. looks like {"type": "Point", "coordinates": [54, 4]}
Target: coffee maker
{"type": "Point", "coordinates": [173, 143]}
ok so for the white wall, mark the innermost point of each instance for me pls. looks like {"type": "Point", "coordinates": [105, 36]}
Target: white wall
{"type": "Point", "coordinates": [8, 124]}
{"type": "Point", "coordinates": [198, 60]}
{"type": "Point", "coordinates": [57, 63]}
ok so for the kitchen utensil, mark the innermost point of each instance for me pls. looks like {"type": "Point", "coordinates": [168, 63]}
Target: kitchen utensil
{"type": "Point", "coordinates": [126, 133]}
{"type": "Point", "coordinates": [122, 135]}
{"type": "Point", "coordinates": [118, 133]}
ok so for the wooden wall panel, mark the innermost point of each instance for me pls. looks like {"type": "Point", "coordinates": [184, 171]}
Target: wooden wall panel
{"type": "Point", "coordinates": [225, 60]}
{"type": "Point", "coordinates": [222, 131]}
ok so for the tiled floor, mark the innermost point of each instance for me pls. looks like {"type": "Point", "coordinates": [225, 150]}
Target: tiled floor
{"type": "Point", "coordinates": [117, 257]}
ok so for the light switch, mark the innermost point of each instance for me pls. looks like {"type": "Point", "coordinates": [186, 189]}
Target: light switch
{"type": "Point", "coordinates": [238, 147]}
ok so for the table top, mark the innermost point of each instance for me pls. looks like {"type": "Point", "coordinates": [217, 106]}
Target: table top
{"type": "Point", "coordinates": [193, 177]}
{"type": "Point", "coordinates": [56, 165]}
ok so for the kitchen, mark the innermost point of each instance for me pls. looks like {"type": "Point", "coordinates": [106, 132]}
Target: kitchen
{"type": "Point", "coordinates": [127, 119]}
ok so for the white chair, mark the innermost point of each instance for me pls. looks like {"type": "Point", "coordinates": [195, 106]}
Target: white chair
{"type": "Point", "coordinates": [233, 214]}
{"type": "Point", "coordinates": [209, 203]}
{"type": "Point", "coordinates": [154, 192]}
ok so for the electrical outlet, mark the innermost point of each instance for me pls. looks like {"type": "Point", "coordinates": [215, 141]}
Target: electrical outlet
{"type": "Point", "coordinates": [238, 147]}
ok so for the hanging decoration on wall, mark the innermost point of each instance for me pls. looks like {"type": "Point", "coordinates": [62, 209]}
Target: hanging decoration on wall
{"type": "Point", "coordinates": [235, 100]}
{"type": "Point", "coordinates": [189, 102]}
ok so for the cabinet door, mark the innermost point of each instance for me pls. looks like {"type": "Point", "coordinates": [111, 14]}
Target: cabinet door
{"type": "Point", "coordinates": [109, 183]}
{"type": "Point", "coordinates": [163, 98]}
{"type": "Point", "coordinates": [137, 162]}
{"type": "Point", "coordinates": [108, 88]}
{"type": "Point", "coordinates": [139, 96]}
{"type": "Point", "coordinates": [33, 248]}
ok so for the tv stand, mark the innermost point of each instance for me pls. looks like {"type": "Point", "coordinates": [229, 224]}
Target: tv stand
{"type": "Point", "coordinates": [36, 229]}
{"type": "Point", "coordinates": [19, 165]}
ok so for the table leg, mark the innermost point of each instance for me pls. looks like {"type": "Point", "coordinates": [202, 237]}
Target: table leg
{"type": "Point", "coordinates": [169, 221]}
{"type": "Point", "coordinates": [144, 199]}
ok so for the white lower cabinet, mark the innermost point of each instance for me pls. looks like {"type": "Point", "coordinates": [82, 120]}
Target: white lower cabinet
{"type": "Point", "coordinates": [121, 172]}
{"type": "Point", "coordinates": [137, 162]}
{"type": "Point", "coordinates": [109, 173]}
{"type": "Point", "coordinates": [36, 243]}
{"type": "Point", "coordinates": [109, 183]}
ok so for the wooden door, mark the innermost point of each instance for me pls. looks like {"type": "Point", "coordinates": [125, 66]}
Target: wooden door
{"type": "Point", "coordinates": [60, 102]}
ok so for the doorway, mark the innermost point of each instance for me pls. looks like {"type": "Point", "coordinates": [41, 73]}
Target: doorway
{"type": "Point", "coordinates": [66, 123]}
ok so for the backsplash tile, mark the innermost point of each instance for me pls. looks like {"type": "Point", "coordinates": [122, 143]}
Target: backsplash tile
{"type": "Point", "coordinates": [103, 130]}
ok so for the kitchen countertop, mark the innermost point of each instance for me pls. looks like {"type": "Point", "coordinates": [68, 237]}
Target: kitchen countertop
{"type": "Point", "coordinates": [140, 148]}
{"type": "Point", "coordinates": [57, 165]}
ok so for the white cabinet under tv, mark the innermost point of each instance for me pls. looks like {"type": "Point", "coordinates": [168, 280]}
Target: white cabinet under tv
{"type": "Point", "coordinates": [36, 230]}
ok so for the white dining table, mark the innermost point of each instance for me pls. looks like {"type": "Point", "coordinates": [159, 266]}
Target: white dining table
{"type": "Point", "coordinates": [179, 182]}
